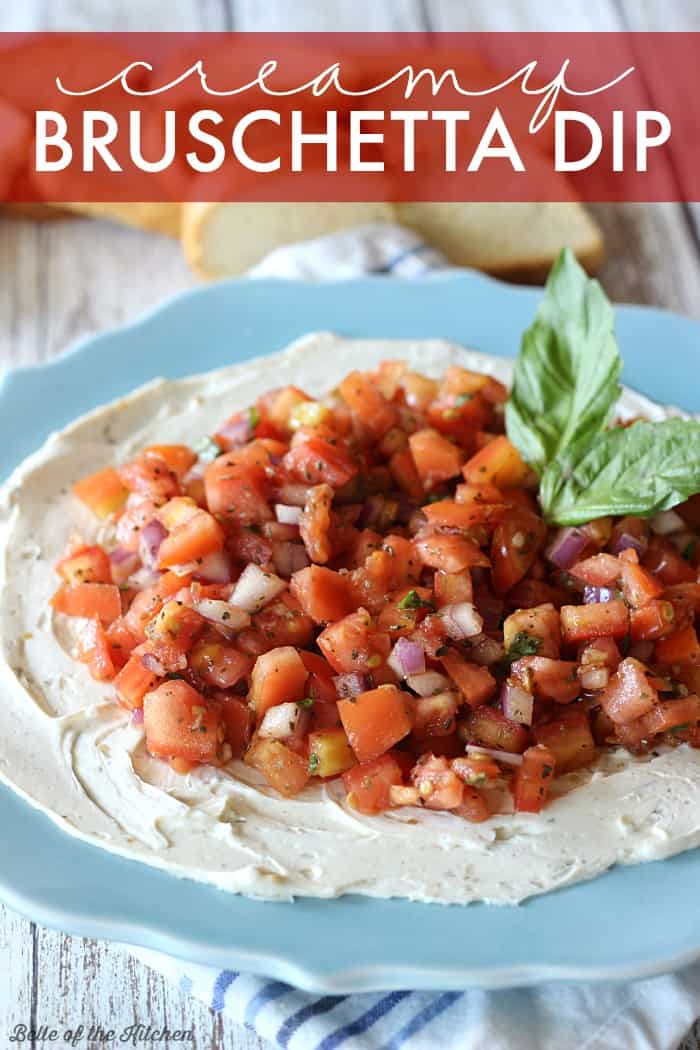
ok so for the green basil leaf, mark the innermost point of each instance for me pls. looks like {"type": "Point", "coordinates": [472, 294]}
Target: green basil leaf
{"type": "Point", "coordinates": [642, 470]}
{"type": "Point", "coordinates": [565, 382]}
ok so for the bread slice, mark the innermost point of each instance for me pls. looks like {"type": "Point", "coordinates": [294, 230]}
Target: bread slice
{"type": "Point", "coordinates": [517, 241]}
{"type": "Point", "coordinates": [511, 239]}
{"type": "Point", "coordinates": [221, 240]}
{"type": "Point", "coordinates": [146, 215]}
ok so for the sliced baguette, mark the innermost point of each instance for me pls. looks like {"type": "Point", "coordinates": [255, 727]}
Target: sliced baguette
{"type": "Point", "coordinates": [146, 215]}
{"type": "Point", "coordinates": [518, 241]}
{"type": "Point", "coordinates": [221, 240]}
{"type": "Point", "coordinates": [515, 240]}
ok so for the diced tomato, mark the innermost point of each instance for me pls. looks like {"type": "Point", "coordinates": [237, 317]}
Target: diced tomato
{"type": "Point", "coordinates": [583, 623]}
{"type": "Point", "coordinates": [237, 721]}
{"type": "Point", "coordinates": [85, 565]}
{"type": "Point", "coordinates": [89, 599]}
{"type": "Point", "coordinates": [367, 404]}
{"type": "Point", "coordinates": [499, 463]}
{"type": "Point", "coordinates": [376, 720]}
{"type": "Point", "coordinates": [276, 408]}
{"type": "Point", "coordinates": [436, 459]}
{"type": "Point", "coordinates": [122, 641]}
{"type": "Point", "coordinates": [549, 679]}
{"type": "Point", "coordinates": [476, 683]}
{"type": "Point", "coordinates": [354, 644]}
{"type": "Point", "coordinates": [569, 739]}
{"type": "Point", "coordinates": [192, 541]}
{"type": "Point", "coordinates": [629, 694]}
{"type": "Point", "coordinates": [540, 623]}
{"type": "Point", "coordinates": [285, 770]}
{"type": "Point", "coordinates": [532, 779]}
{"type": "Point", "coordinates": [656, 619]}
{"type": "Point", "coordinates": [236, 491]}
{"type": "Point", "coordinates": [405, 563]}
{"type": "Point", "coordinates": [601, 570]}
{"type": "Point", "coordinates": [638, 586]}
{"type": "Point", "coordinates": [666, 716]}
{"type": "Point", "coordinates": [324, 595]}
{"type": "Point", "coordinates": [447, 514]}
{"type": "Point", "coordinates": [403, 470]}
{"type": "Point", "coordinates": [180, 723]}
{"type": "Point", "coordinates": [218, 664]}
{"type": "Point", "coordinates": [103, 492]}
{"type": "Point", "coordinates": [403, 610]}
{"type": "Point", "coordinates": [474, 806]}
{"type": "Point", "coordinates": [453, 587]}
{"type": "Point", "coordinates": [450, 553]}
{"type": "Point", "coordinates": [431, 635]}
{"type": "Point", "coordinates": [280, 623]}
{"type": "Point", "coordinates": [178, 458]}
{"type": "Point", "coordinates": [330, 752]}
{"type": "Point", "coordinates": [171, 633]}
{"type": "Point", "coordinates": [437, 784]}
{"type": "Point", "coordinates": [176, 512]}
{"type": "Point", "coordinates": [368, 785]}
{"type": "Point", "coordinates": [94, 650]}
{"type": "Point", "coordinates": [317, 462]}
{"type": "Point", "coordinates": [491, 728]}
{"type": "Point", "coordinates": [279, 676]}
{"type": "Point", "coordinates": [316, 522]}
{"type": "Point", "coordinates": [681, 647]}
{"type": "Point", "coordinates": [516, 541]}
{"type": "Point", "coordinates": [133, 682]}
{"type": "Point", "coordinates": [435, 715]}
{"type": "Point", "coordinates": [418, 391]}
{"type": "Point", "coordinates": [150, 476]}
{"type": "Point", "coordinates": [663, 561]}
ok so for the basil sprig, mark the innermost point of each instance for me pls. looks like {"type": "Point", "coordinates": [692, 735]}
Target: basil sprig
{"type": "Point", "coordinates": [565, 387]}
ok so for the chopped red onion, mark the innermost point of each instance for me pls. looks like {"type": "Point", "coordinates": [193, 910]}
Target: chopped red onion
{"type": "Point", "coordinates": [152, 535]}
{"type": "Point", "coordinates": [596, 595]}
{"type": "Point", "coordinates": [428, 683]}
{"type": "Point", "coordinates": [236, 431]}
{"type": "Point", "coordinates": [255, 589]}
{"type": "Point", "coordinates": [152, 664]}
{"type": "Point", "coordinates": [123, 563]}
{"type": "Point", "coordinates": [143, 577]}
{"type": "Point", "coordinates": [461, 620]}
{"type": "Point", "coordinates": [666, 523]}
{"type": "Point", "coordinates": [196, 472]}
{"type": "Point", "coordinates": [287, 514]}
{"type": "Point", "coordinates": [351, 684]}
{"type": "Point", "coordinates": [226, 617]}
{"type": "Point", "coordinates": [289, 558]}
{"type": "Point", "coordinates": [407, 658]}
{"type": "Point", "coordinates": [214, 568]}
{"type": "Point", "coordinates": [567, 547]}
{"type": "Point", "coordinates": [626, 540]}
{"type": "Point", "coordinates": [137, 716]}
{"type": "Point", "coordinates": [280, 721]}
{"type": "Point", "coordinates": [518, 704]}
{"type": "Point", "coordinates": [594, 678]}
{"type": "Point", "coordinates": [506, 757]}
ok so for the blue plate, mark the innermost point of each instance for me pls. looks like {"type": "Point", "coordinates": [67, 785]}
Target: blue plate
{"type": "Point", "coordinates": [631, 922]}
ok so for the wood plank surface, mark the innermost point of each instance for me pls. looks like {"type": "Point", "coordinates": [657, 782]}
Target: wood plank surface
{"type": "Point", "coordinates": [63, 280]}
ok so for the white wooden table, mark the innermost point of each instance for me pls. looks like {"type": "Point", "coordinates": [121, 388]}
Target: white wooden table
{"type": "Point", "coordinates": [61, 280]}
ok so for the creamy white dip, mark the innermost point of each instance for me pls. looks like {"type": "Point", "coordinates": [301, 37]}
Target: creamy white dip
{"type": "Point", "coordinates": [70, 750]}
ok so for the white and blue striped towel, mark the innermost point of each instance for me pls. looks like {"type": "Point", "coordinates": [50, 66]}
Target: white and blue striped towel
{"type": "Point", "coordinates": [645, 1015]}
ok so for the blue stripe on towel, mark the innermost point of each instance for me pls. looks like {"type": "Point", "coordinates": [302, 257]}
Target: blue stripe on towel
{"type": "Point", "coordinates": [421, 1019]}
{"type": "Point", "coordinates": [268, 992]}
{"type": "Point", "coordinates": [365, 1021]}
{"type": "Point", "coordinates": [221, 985]}
{"type": "Point", "coordinates": [313, 1009]}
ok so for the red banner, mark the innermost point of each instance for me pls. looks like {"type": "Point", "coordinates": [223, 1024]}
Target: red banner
{"type": "Point", "coordinates": [349, 116]}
